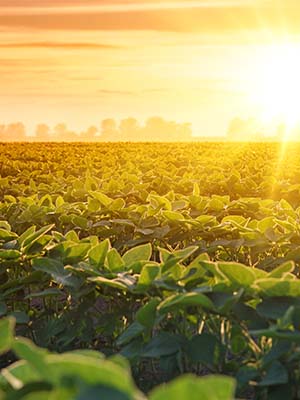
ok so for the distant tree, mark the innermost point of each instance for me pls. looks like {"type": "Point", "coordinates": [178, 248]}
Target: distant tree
{"type": "Point", "coordinates": [42, 133]}
{"type": "Point", "coordinates": [156, 129]}
{"type": "Point", "coordinates": [2, 133]}
{"type": "Point", "coordinates": [244, 129]}
{"type": "Point", "coordinates": [236, 128]}
{"type": "Point", "coordinates": [109, 130]}
{"type": "Point", "coordinates": [89, 135]}
{"type": "Point", "coordinates": [129, 129]}
{"type": "Point", "coordinates": [15, 132]}
{"type": "Point", "coordinates": [60, 130]}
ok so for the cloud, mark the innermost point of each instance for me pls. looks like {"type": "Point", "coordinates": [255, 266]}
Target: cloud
{"type": "Point", "coordinates": [105, 92]}
{"type": "Point", "coordinates": [58, 45]}
{"type": "Point", "coordinates": [120, 3]}
{"type": "Point", "coordinates": [221, 19]}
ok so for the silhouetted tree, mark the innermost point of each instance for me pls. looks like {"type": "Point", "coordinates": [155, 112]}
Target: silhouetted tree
{"type": "Point", "coordinates": [109, 130]}
{"type": "Point", "coordinates": [130, 129]}
{"type": "Point", "coordinates": [42, 133]}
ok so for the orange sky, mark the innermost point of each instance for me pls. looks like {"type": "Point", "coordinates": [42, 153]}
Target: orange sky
{"type": "Point", "coordinates": [79, 61]}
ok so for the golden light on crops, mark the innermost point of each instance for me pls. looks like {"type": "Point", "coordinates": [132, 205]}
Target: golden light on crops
{"type": "Point", "coordinates": [277, 88]}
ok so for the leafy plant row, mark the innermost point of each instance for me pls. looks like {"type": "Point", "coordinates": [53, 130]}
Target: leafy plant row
{"type": "Point", "coordinates": [87, 374]}
{"type": "Point", "coordinates": [168, 312]}
{"type": "Point", "coordinates": [130, 170]}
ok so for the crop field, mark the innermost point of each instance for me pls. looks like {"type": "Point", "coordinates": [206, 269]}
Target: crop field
{"type": "Point", "coordinates": [149, 271]}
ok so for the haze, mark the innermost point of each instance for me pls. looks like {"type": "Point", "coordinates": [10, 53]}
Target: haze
{"type": "Point", "coordinates": [202, 62]}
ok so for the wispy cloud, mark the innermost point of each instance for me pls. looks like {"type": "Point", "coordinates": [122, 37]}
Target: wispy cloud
{"type": "Point", "coordinates": [111, 5]}
{"type": "Point", "coordinates": [59, 45]}
{"type": "Point", "coordinates": [204, 17]}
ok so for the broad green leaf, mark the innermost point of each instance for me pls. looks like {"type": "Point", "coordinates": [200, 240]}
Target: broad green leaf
{"type": "Point", "coordinates": [102, 198]}
{"type": "Point", "coordinates": [282, 270]}
{"type": "Point", "coordinates": [97, 254]}
{"type": "Point", "coordinates": [56, 270]}
{"type": "Point", "coordinates": [76, 252]}
{"type": "Point", "coordinates": [161, 345]}
{"type": "Point", "coordinates": [7, 235]}
{"type": "Point", "coordinates": [203, 348]}
{"type": "Point", "coordinates": [173, 216]}
{"type": "Point", "coordinates": [102, 392]}
{"type": "Point", "coordinates": [5, 225]}
{"type": "Point", "coordinates": [146, 315]}
{"type": "Point", "coordinates": [138, 253]}
{"type": "Point", "coordinates": [134, 330]}
{"type": "Point", "coordinates": [7, 326]}
{"type": "Point", "coordinates": [3, 309]}
{"type": "Point", "coordinates": [147, 276]}
{"type": "Point", "coordinates": [45, 293]}
{"type": "Point", "coordinates": [237, 273]}
{"type": "Point", "coordinates": [277, 374]}
{"type": "Point", "coordinates": [90, 371]}
{"type": "Point", "coordinates": [33, 237]}
{"type": "Point", "coordinates": [179, 301]}
{"type": "Point", "coordinates": [34, 355]}
{"type": "Point", "coordinates": [80, 221]}
{"type": "Point", "coordinates": [10, 254]}
{"type": "Point", "coordinates": [115, 261]}
{"type": "Point", "coordinates": [190, 387]}
{"type": "Point", "coordinates": [19, 374]}
{"type": "Point", "coordinates": [273, 287]}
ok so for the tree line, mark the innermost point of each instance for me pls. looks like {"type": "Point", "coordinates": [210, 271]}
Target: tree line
{"type": "Point", "coordinates": [127, 130]}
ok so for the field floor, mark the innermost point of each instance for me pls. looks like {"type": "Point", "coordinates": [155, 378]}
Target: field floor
{"type": "Point", "coordinates": [146, 263]}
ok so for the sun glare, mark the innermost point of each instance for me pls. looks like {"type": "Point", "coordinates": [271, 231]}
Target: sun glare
{"type": "Point", "coordinates": [277, 89]}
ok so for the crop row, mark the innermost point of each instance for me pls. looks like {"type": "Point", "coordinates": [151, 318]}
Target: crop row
{"type": "Point", "coordinates": [131, 170]}
{"type": "Point", "coordinates": [167, 312]}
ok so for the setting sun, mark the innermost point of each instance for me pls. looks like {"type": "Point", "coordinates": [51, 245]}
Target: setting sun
{"type": "Point", "coordinates": [277, 90]}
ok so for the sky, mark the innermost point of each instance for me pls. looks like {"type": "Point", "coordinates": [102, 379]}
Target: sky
{"type": "Point", "coordinates": [204, 62]}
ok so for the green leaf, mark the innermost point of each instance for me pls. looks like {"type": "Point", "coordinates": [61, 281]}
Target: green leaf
{"type": "Point", "coordinates": [147, 276]}
{"type": "Point", "coordinates": [102, 198]}
{"type": "Point", "coordinates": [5, 225]}
{"type": "Point", "coordinates": [35, 356]}
{"type": "Point", "coordinates": [20, 317]}
{"type": "Point", "coordinates": [276, 307]}
{"type": "Point", "coordinates": [28, 241]}
{"type": "Point", "coordinates": [6, 235]}
{"type": "Point", "coordinates": [10, 254]}
{"type": "Point", "coordinates": [273, 287]}
{"type": "Point", "coordinates": [178, 301]}
{"type": "Point", "coordinates": [115, 261]}
{"type": "Point", "coordinates": [190, 387]}
{"type": "Point", "coordinates": [3, 309]}
{"type": "Point", "coordinates": [203, 349]}
{"type": "Point", "coordinates": [138, 253]}
{"type": "Point", "coordinates": [80, 221]}
{"type": "Point", "coordinates": [282, 270]}
{"type": "Point", "coordinates": [276, 375]}
{"type": "Point", "coordinates": [146, 315]}
{"type": "Point", "coordinates": [238, 274]}
{"type": "Point", "coordinates": [116, 283]}
{"type": "Point", "coordinates": [45, 293]}
{"type": "Point", "coordinates": [76, 252]}
{"type": "Point", "coordinates": [7, 326]}
{"type": "Point", "coordinates": [173, 216]}
{"type": "Point", "coordinates": [134, 330]}
{"type": "Point", "coordinates": [97, 254]}
{"type": "Point", "coordinates": [56, 270]}
{"type": "Point", "coordinates": [90, 371]}
{"type": "Point", "coordinates": [102, 392]}
{"type": "Point", "coordinates": [161, 345]}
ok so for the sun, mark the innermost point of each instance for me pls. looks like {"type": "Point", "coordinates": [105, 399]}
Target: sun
{"type": "Point", "coordinates": [276, 87]}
